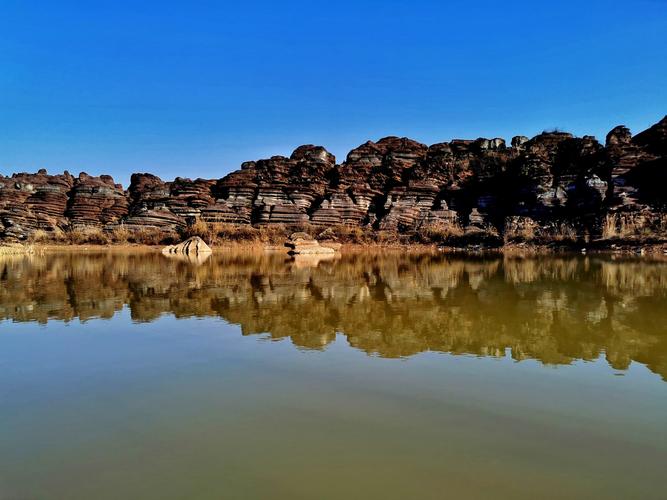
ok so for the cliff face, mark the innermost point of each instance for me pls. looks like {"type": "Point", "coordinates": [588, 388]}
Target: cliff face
{"type": "Point", "coordinates": [394, 184]}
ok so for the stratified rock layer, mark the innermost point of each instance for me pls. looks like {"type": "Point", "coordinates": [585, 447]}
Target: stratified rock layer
{"type": "Point", "coordinates": [394, 184]}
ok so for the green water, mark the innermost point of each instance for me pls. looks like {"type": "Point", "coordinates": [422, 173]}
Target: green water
{"type": "Point", "coordinates": [366, 376]}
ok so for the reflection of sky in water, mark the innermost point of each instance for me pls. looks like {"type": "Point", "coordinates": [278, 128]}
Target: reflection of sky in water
{"type": "Point", "coordinates": [192, 408]}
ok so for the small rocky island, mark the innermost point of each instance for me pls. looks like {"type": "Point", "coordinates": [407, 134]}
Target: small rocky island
{"type": "Point", "coordinates": [552, 188]}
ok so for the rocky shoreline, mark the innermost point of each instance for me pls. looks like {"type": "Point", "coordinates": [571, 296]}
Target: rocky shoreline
{"type": "Point", "coordinates": [552, 191]}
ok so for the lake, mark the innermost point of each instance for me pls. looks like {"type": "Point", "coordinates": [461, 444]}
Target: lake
{"type": "Point", "coordinates": [369, 375]}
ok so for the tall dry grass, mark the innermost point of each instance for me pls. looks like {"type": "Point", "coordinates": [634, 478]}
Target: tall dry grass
{"type": "Point", "coordinates": [634, 227]}
{"type": "Point", "coordinates": [16, 249]}
{"type": "Point", "coordinates": [119, 235]}
{"type": "Point", "coordinates": [440, 233]}
{"type": "Point", "coordinates": [519, 229]}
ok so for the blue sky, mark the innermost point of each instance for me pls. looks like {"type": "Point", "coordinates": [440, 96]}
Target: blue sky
{"type": "Point", "coordinates": [195, 88]}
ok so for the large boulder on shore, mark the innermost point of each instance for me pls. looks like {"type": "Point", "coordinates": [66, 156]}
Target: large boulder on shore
{"type": "Point", "coordinates": [191, 246]}
{"type": "Point", "coordinates": [304, 244]}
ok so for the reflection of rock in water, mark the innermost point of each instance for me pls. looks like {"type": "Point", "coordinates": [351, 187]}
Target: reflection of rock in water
{"type": "Point", "coordinates": [555, 310]}
{"type": "Point", "coordinates": [312, 260]}
{"type": "Point", "coordinates": [193, 259]}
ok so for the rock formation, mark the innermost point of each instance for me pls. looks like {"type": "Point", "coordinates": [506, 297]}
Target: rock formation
{"type": "Point", "coordinates": [395, 184]}
{"type": "Point", "coordinates": [96, 201]}
{"type": "Point", "coordinates": [304, 244]}
{"type": "Point", "coordinates": [191, 246]}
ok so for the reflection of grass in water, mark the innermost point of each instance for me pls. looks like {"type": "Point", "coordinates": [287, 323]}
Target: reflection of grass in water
{"type": "Point", "coordinates": [519, 270]}
{"type": "Point", "coordinates": [634, 276]}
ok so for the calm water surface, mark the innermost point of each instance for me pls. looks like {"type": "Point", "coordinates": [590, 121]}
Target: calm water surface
{"type": "Point", "coordinates": [367, 376]}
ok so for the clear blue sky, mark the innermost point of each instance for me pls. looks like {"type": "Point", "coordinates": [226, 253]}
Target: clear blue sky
{"type": "Point", "coordinates": [195, 88]}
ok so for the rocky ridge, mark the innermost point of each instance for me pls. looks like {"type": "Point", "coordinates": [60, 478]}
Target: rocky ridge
{"type": "Point", "coordinates": [483, 186]}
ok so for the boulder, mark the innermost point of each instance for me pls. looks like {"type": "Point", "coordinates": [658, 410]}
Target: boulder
{"type": "Point", "coordinates": [192, 247]}
{"type": "Point", "coordinates": [304, 244]}
{"type": "Point", "coordinates": [334, 245]}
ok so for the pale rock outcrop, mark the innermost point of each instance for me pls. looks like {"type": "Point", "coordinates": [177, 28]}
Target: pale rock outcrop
{"type": "Point", "coordinates": [191, 246]}
{"type": "Point", "coordinates": [304, 244]}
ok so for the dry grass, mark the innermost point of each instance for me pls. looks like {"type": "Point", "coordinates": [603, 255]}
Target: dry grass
{"type": "Point", "coordinates": [524, 229]}
{"type": "Point", "coordinates": [16, 249]}
{"type": "Point", "coordinates": [39, 236]}
{"type": "Point", "coordinates": [440, 233]}
{"type": "Point", "coordinates": [634, 227]}
{"type": "Point", "coordinates": [221, 233]}
{"type": "Point", "coordinates": [563, 232]}
{"type": "Point", "coordinates": [87, 236]}
{"type": "Point", "coordinates": [609, 227]}
{"type": "Point", "coordinates": [199, 228]}
{"type": "Point", "coordinates": [616, 226]}
{"type": "Point", "coordinates": [152, 236]}
{"type": "Point", "coordinates": [519, 229]}
{"type": "Point", "coordinates": [120, 234]}
{"type": "Point", "coordinates": [274, 234]}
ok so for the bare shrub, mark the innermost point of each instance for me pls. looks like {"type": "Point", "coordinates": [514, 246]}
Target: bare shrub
{"type": "Point", "coordinates": [520, 229]}
{"type": "Point", "coordinates": [87, 236]}
{"type": "Point", "coordinates": [439, 233]}
{"type": "Point", "coordinates": [120, 234]}
{"type": "Point", "coordinates": [610, 227]}
{"type": "Point", "coordinates": [224, 232]}
{"type": "Point", "coordinates": [39, 236]}
{"type": "Point", "coordinates": [564, 232]}
{"type": "Point", "coordinates": [152, 236]}
{"type": "Point", "coordinates": [274, 233]}
{"type": "Point", "coordinates": [198, 228]}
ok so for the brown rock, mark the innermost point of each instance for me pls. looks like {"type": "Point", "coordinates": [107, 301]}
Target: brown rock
{"type": "Point", "coordinates": [394, 184]}
{"type": "Point", "coordinates": [96, 201]}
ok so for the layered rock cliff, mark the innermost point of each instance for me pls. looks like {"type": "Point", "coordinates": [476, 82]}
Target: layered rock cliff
{"type": "Point", "coordinates": [530, 187]}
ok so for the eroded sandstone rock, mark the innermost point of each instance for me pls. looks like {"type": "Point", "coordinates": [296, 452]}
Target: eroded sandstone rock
{"type": "Point", "coordinates": [96, 201]}
{"type": "Point", "coordinates": [191, 247]}
{"type": "Point", "coordinates": [395, 184]}
{"type": "Point", "coordinates": [304, 244]}
{"type": "Point", "coordinates": [29, 202]}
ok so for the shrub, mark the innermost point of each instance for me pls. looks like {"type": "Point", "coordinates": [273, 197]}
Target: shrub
{"type": "Point", "coordinates": [198, 228]}
{"type": "Point", "coordinates": [86, 235]}
{"type": "Point", "coordinates": [39, 236]}
{"type": "Point", "coordinates": [564, 232]}
{"type": "Point", "coordinates": [609, 225]}
{"type": "Point", "coordinates": [120, 234]}
{"type": "Point", "coordinates": [440, 233]}
{"type": "Point", "coordinates": [152, 236]}
{"type": "Point", "coordinates": [520, 229]}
